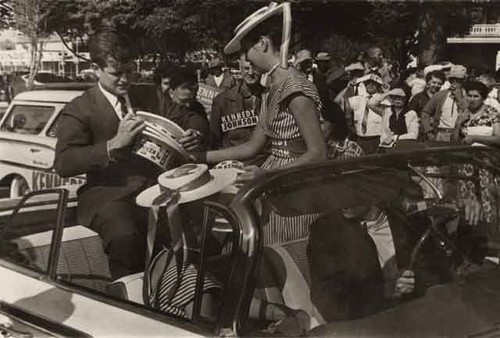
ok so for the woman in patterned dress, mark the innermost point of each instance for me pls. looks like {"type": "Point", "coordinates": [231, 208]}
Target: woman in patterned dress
{"type": "Point", "coordinates": [289, 120]}
{"type": "Point", "coordinates": [480, 123]}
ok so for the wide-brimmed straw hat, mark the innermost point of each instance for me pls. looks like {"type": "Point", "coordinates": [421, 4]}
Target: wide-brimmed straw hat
{"type": "Point", "coordinates": [192, 181]}
{"type": "Point", "coordinates": [250, 23]}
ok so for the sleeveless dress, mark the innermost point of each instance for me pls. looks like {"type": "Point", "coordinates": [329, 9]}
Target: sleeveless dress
{"type": "Point", "coordinates": [287, 145]}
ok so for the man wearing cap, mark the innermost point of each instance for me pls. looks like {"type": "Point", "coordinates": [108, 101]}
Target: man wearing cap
{"type": "Point", "coordinates": [367, 123]}
{"type": "Point", "coordinates": [95, 138]}
{"type": "Point", "coordinates": [235, 112]}
{"type": "Point", "coordinates": [440, 114]}
{"type": "Point", "coordinates": [217, 77]}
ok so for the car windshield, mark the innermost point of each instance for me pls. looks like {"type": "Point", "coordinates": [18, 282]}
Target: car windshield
{"type": "Point", "coordinates": [27, 119]}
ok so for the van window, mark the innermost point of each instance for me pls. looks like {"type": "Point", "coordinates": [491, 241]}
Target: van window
{"type": "Point", "coordinates": [25, 119]}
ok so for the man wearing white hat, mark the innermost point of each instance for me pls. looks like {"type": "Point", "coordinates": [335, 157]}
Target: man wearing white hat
{"type": "Point", "coordinates": [366, 122]}
{"type": "Point", "coordinates": [218, 78]}
{"type": "Point", "coordinates": [440, 113]}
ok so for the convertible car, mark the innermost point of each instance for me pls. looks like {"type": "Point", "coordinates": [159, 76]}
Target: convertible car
{"type": "Point", "coordinates": [54, 278]}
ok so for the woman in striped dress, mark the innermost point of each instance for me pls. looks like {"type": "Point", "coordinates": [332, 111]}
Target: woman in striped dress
{"type": "Point", "coordinates": [289, 120]}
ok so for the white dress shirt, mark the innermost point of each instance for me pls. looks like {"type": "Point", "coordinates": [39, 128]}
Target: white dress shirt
{"type": "Point", "coordinates": [374, 125]}
{"type": "Point", "coordinates": [115, 103]}
{"type": "Point", "coordinates": [449, 113]}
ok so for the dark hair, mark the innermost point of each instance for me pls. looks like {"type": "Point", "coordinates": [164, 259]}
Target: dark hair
{"type": "Point", "coordinates": [182, 75]}
{"type": "Point", "coordinates": [272, 28]}
{"type": "Point", "coordinates": [109, 43]}
{"type": "Point", "coordinates": [476, 85]}
{"type": "Point", "coordinates": [163, 70]}
{"type": "Point", "coordinates": [438, 74]}
{"type": "Point", "coordinates": [334, 114]}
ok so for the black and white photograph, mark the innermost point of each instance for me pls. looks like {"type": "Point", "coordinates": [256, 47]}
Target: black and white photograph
{"type": "Point", "coordinates": [253, 168]}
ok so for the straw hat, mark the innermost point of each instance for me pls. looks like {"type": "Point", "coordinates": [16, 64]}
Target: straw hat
{"type": "Point", "coordinates": [250, 23]}
{"type": "Point", "coordinates": [397, 92]}
{"type": "Point", "coordinates": [323, 56]}
{"type": "Point", "coordinates": [193, 181]}
{"type": "Point", "coordinates": [458, 72]}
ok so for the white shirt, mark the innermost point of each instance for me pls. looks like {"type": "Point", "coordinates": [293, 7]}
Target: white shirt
{"type": "Point", "coordinates": [374, 125]}
{"type": "Point", "coordinates": [218, 79]}
{"type": "Point", "coordinates": [380, 231]}
{"type": "Point", "coordinates": [492, 100]}
{"type": "Point", "coordinates": [115, 103]}
{"type": "Point", "coordinates": [387, 138]}
{"type": "Point", "coordinates": [449, 113]}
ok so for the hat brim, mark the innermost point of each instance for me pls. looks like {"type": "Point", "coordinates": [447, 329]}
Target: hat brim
{"type": "Point", "coordinates": [221, 179]}
{"type": "Point", "coordinates": [252, 21]}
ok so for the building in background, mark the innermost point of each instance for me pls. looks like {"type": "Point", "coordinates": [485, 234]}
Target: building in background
{"type": "Point", "coordinates": [15, 55]}
{"type": "Point", "coordinates": [479, 49]}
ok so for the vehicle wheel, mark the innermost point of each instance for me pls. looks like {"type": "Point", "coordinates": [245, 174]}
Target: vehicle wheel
{"type": "Point", "coordinates": [18, 187]}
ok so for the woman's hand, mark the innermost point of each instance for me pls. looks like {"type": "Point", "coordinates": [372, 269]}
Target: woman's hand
{"type": "Point", "coordinates": [191, 139]}
{"type": "Point", "coordinates": [248, 173]}
{"type": "Point", "coordinates": [405, 283]}
{"type": "Point", "coordinates": [472, 210]}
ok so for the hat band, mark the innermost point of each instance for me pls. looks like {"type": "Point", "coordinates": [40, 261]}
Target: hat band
{"type": "Point", "coordinates": [194, 184]}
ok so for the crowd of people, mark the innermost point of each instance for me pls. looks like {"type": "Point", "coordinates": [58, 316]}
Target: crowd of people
{"type": "Point", "coordinates": [276, 116]}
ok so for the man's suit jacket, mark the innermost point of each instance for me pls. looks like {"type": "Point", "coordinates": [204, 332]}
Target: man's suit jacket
{"type": "Point", "coordinates": [87, 123]}
{"type": "Point", "coordinates": [431, 113]}
{"type": "Point", "coordinates": [346, 279]}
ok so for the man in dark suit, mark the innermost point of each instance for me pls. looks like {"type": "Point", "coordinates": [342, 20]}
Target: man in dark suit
{"type": "Point", "coordinates": [95, 138]}
{"type": "Point", "coordinates": [353, 273]}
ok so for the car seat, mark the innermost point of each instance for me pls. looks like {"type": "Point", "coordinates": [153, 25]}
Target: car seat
{"type": "Point", "coordinates": [284, 278]}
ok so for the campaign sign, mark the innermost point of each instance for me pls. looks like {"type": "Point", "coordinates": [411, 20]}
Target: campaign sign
{"type": "Point", "coordinates": [206, 95]}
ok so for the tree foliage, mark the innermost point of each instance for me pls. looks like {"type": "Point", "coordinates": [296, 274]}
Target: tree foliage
{"type": "Point", "coordinates": [174, 27]}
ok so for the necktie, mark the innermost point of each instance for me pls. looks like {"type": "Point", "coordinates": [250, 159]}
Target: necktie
{"type": "Point", "coordinates": [123, 106]}
{"type": "Point", "coordinates": [364, 122]}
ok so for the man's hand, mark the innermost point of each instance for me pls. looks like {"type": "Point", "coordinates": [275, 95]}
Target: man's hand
{"type": "Point", "coordinates": [129, 127]}
{"type": "Point", "coordinates": [248, 173]}
{"type": "Point", "coordinates": [472, 210]}
{"type": "Point", "coordinates": [405, 283]}
{"type": "Point", "coordinates": [191, 139]}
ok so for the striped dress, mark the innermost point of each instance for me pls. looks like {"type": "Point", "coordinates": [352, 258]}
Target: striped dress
{"type": "Point", "coordinates": [280, 127]}
{"type": "Point", "coordinates": [174, 297]}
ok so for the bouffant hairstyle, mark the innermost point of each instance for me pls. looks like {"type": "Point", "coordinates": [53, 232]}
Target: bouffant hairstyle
{"type": "Point", "coordinates": [109, 43]}
{"type": "Point", "coordinates": [476, 85]}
